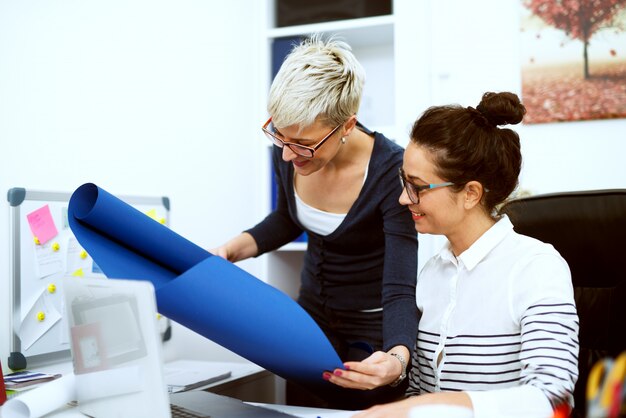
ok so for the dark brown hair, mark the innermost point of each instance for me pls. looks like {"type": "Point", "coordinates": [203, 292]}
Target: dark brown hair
{"type": "Point", "coordinates": [468, 145]}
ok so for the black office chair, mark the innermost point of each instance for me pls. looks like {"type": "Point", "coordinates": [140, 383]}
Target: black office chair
{"type": "Point", "coordinates": [588, 228]}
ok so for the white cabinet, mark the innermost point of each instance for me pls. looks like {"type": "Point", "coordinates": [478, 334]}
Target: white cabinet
{"type": "Point", "coordinates": [394, 51]}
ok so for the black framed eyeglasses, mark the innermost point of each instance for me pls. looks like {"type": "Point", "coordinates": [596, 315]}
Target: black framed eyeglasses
{"type": "Point", "coordinates": [413, 190]}
{"type": "Point", "coordinates": [301, 150]}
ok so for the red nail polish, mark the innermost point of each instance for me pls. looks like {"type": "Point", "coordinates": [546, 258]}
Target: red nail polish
{"type": "Point", "coordinates": [346, 367]}
{"type": "Point", "coordinates": [326, 376]}
{"type": "Point", "coordinates": [337, 372]}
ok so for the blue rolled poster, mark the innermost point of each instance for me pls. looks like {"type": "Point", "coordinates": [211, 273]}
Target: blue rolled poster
{"type": "Point", "coordinates": [203, 292]}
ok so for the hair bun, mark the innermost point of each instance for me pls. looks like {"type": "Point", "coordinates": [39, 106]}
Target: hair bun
{"type": "Point", "coordinates": [501, 108]}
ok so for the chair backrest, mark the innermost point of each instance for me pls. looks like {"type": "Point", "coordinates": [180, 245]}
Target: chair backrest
{"type": "Point", "coordinates": [588, 228]}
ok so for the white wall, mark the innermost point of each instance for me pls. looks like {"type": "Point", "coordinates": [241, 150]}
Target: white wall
{"type": "Point", "coordinates": [476, 48]}
{"type": "Point", "coordinates": [142, 97]}
{"type": "Point", "coordinates": [156, 97]}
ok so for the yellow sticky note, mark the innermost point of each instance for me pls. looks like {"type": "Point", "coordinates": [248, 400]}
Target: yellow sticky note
{"type": "Point", "coordinates": [152, 213]}
{"type": "Point", "coordinates": [41, 316]}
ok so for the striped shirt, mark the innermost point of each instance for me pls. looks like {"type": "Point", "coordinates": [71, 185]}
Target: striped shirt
{"type": "Point", "coordinates": [498, 322]}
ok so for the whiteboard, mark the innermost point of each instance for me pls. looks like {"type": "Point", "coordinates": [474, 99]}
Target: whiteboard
{"type": "Point", "coordinates": [38, 327]}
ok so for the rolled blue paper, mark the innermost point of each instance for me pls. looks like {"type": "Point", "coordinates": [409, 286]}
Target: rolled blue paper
{"type": "Point", "coordinates": [207, 294]}
{"type": "Point", "coordinates": [265, 328]}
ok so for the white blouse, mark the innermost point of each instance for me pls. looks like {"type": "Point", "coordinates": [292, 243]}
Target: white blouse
{"type": "Point", "coordinates": [499, 322]}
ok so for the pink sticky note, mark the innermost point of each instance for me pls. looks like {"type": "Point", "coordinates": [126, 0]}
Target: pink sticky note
{"type": "Point", "coordinates": [42, 225]}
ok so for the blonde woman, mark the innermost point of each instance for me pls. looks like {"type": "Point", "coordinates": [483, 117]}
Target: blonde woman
{"type": "Point", "coordinates": [338, 182]}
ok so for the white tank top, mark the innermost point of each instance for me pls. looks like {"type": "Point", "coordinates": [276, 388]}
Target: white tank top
{"type": "Point", "coordinates": [319, 221]}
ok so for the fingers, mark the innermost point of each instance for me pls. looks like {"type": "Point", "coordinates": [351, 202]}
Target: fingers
{"type": "Point", "coordinates": [376, 357]}
{"type": "Point", "coordinates": [379, 369]}
{"type": "Point", "coordinates": [352, 380]}
{"type": "Point", "coordinates": [379, 363]}
{"type": "Point", "coordinates": [220, 252]}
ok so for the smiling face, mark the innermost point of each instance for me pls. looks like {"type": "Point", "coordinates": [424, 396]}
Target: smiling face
{"type": "Point", "coordinates": [440, 211]}
{"type": "Point", "coordinates": [310, 136]}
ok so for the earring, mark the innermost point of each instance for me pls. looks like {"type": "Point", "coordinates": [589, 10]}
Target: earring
{"type": "Point", "coordinates": [343, 139]}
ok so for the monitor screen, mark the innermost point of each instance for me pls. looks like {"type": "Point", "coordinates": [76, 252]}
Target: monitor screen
{"type": "Point", "coordinates": [105, 332]}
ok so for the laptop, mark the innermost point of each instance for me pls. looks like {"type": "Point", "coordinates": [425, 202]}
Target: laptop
{"type": "Point", "coordinates": [116, 354]}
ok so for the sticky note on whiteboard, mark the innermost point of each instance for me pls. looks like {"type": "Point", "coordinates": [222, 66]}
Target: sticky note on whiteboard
{"type": "Point", "coordinates": [42, 225]}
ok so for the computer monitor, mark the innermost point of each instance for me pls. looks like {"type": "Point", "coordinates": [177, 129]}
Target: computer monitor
{"type": "Point", "coordinates": [116, 352]}
{"type": "Point", "coordinates": [116, 349]}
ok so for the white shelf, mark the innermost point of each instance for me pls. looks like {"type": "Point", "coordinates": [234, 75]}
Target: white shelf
{"type": "Point", "coordinates": [394, 51]}
{"type": "Point", "coordinates": [293, 246]}
{"type": "Point", "coordinates": [368, 31]}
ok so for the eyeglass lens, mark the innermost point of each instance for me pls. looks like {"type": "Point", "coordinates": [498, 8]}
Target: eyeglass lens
{"type": "Point", "coordinates": [411, 190]}
{"type": "Point", "coordinates": [298, 149]}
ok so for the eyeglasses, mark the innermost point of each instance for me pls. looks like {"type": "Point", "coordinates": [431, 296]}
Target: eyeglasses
{"type": "Point", "coordinates": [301, 150]}
{"type": "Point", "coordinates": [413, 191]}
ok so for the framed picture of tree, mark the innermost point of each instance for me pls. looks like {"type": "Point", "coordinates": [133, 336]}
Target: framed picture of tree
{"type": "Point", "coordinates": [573, 59]}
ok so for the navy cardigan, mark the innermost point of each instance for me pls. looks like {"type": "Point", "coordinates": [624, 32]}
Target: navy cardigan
{"type": "Point", "coordinates": [370, 260]}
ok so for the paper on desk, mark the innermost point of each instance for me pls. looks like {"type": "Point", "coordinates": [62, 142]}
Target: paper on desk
{"type": "Point", "coordinates": [303, 412]}
{"type": "Point", "coordinates": [330, 414]}
{"type": "Point", "coordinates": [200, 291]}
{"type": "Point", "coordinates": [182, 375]}
{"type": "Point", "coordinates": [41, 400]}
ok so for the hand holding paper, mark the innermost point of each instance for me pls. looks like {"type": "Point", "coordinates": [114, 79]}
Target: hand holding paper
{"type": "Point", "coordinates": [205, 293]}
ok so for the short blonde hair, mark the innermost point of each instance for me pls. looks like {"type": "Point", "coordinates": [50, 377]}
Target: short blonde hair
{"type": "Point", "coordinates": [319, 78]}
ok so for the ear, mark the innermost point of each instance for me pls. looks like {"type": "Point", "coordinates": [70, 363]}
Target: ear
{"type": "Point", "coordinates": [473, 194]}
{"type": "Point", "coordinates": [349, 125]}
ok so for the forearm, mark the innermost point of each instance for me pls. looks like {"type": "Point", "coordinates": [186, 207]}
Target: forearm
{"type": "Point", "coordinates": [402, 408]}
{"type": "Point", "coordinates": [241, 247]}
{"type": "Point", "coordinates": [447, 398]}
{"type": "Point", "coordinates": [400, 314]}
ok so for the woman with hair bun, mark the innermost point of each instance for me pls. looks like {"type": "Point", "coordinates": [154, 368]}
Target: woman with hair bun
{"type": "Point", "coordinates": [499, 328]}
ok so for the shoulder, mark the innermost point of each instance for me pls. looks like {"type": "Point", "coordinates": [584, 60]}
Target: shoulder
{"type": "Point", "coordinates": [384, 145]}
{"type": "Point", "coordinates": [529, 247]}
{"type": "Point", "coordinates": [538, 267]}
{"type": "Point", "coordinates": [386, 155]}
{"type": "Point", "coordinates": [525, 251]}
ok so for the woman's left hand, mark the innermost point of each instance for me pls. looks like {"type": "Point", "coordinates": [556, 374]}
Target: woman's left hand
{"type": "Point", "coordinates": [379, 369]}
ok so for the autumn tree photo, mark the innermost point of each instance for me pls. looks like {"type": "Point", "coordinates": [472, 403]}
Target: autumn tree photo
{"type": "Point", "coordinates": [579, 19]}
{"type": "Point", "coordinates": [551, 86]}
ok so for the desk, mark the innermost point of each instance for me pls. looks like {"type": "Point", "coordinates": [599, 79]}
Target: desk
{"type": "Point", "coordinates": [248, 382]}
{"type": "Point", "coordinates": [299, 411]}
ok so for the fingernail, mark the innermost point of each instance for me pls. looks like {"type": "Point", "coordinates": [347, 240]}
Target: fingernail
{"type": "Point", "coordinates": [346, 367]}
{"type": "Point", "coordinates": [337, 372]}
{"type": "Point", "coordinates": [326, 375]}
